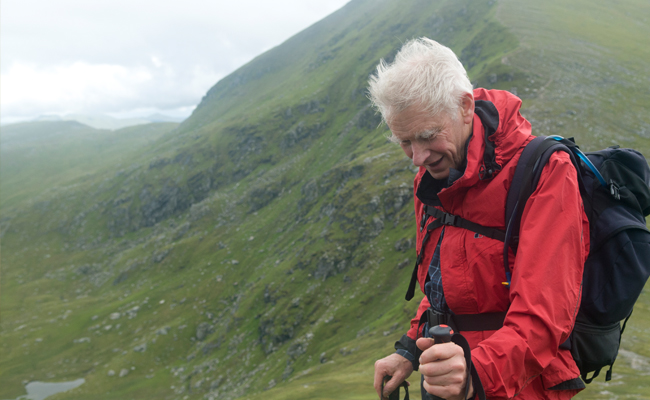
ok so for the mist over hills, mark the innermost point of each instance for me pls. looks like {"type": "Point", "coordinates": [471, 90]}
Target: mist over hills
{"type": "Point", "coordinates": [259, 248]}
{"type": "Point", "coordinates": [102, 121]}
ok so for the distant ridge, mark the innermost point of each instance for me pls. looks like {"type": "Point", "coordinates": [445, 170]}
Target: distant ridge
{"type": "Point", "coordinates": [103, 121]}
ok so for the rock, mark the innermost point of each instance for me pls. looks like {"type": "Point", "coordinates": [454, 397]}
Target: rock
{"type": "Point", "coordinates": [123, 372]}
{"type": "Point", "coordinates": [163, 331]}
{"type": "Point", "coordinates": [133, 312]}
{"type": "Point", "coordinates": [328, 266]}
{"type": "Point", "coordinates": [261, 196]}
{"type": "Point", "coordinates": [369, 119]}
{"type": "Point", "coordinates": [203, 330]}
{"type": "Point", "coordinates": [155, 207]}
{"type": "Point", "coordinates": [323, 360]}
{"type": "Point", "coordinates": [111, 372]}
{"type": "Point", "coordinates": [82, 340]}
{"type": "Point", "coordinates": [404, 263]}
{"type": "Point", "coordinates": [140, 348]}
{"type": "Point", "coordinates": [209, 347]}
{"type": "Point", "coordinates": [287, 371]}
{"type": "Point", "coordinates": [158, 256]}
{"type": "Point", "coordinates": [115, 315]}
{"type": "Point", "coordinates": [215, 383]}
{"type": "Point", "coordinates": [295, 350]}
{"type": "Point", "coordinates": [404, 244]}
{"type": "Point", "coordinates": [272, 384]}
{"type": "Point", "coordinates": [346, 352]}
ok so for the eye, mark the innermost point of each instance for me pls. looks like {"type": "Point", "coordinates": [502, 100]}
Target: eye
{"type": "Point", "coordinates": [405, 142]}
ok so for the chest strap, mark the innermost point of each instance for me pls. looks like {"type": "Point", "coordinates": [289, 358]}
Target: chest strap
{"type": "Point", "coordinates": [444, 218]}
{"type": "Point", "coordinates": [454, 220]}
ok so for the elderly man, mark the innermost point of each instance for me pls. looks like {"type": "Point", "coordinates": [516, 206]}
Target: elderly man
{"type": "Point", "coordinates": [466, 144]}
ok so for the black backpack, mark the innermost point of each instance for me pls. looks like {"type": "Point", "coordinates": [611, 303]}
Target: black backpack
{"type": "Point", "coordinates": [614, 185]}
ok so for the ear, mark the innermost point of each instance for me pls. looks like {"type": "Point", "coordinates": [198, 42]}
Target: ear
{"type": "Point", "coordinates": [467, 108]}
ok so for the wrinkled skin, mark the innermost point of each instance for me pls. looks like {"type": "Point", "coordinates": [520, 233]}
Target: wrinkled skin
{"type": "Point", "coordinates": [394, 365]}
{"type": "Point", "coordinates": [443, 367]}
{"type": "Point", "coordinates": [435, 142]}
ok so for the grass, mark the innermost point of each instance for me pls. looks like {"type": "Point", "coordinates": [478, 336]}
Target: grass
{"type": "Point", "coordinates": [277, 208]}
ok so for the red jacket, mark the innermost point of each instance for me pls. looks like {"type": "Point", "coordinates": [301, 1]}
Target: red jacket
{"type": "Point", "coordinates": [523, 357]}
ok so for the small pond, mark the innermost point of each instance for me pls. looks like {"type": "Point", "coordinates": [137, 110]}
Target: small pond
{"type": "Point", "coordinates": [41, 390]}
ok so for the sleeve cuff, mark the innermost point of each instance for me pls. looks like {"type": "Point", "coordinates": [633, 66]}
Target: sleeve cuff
{"type": "Point", "coordinates": [406, 348]}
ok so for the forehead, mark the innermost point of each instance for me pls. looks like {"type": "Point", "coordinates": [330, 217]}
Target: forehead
{"type": "Point", "coordinates": [414, 120]}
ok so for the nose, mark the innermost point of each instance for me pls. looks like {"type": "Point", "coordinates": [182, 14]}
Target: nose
{"type": "Point", "coordinates": [420, 154]}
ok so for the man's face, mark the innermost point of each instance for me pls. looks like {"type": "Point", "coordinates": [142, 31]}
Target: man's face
{"type": "Point", "coordinates": [434, 142]}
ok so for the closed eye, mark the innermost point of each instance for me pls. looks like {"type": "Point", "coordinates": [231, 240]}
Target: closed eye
{"type": "Point", "coordinates": [429, 134]}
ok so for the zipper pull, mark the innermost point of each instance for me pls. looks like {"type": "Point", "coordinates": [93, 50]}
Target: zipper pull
{"type": "Point", "coordinates": [424, 217]}
{"type": "Point", "coordinates": [614, 190]}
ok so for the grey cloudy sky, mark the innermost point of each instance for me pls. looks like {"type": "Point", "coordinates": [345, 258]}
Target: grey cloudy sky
{"type": "Point", "coordinates": [130, 58]}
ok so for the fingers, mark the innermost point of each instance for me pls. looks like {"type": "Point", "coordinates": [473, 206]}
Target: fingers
{"type": "Point", "coordinates": [444, 373]}
{"type": "Point", "coordinates": [385, 384]}
{"type": "Point", "coordinates": [445, 392]}
{"type": "Point", "coordinates": [394, 365]}
{"type": "Point", "coordinates": [443, 351]}
{"type": "Point", "coordinates": [383, 371]}
{"type": "Point", "coordinates": [379, 378]}
{"type": "Point", "coordinates": [444, 369]}
{"type": "Point", "coordinates": [390, 385]}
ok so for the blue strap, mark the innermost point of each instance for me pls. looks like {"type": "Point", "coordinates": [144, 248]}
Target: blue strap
{"type": "Point", "coordinates": [584, 159]}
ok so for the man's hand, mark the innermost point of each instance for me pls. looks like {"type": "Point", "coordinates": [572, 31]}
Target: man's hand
{"type": "Point", "coordinates": [444, 369]}
{"type": "Point", "coordinates": [394, 365]}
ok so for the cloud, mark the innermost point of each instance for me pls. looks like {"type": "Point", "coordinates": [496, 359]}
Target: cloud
{"type": "Point", "coordinates": [116, 56]}
{"type": "Point", "coordinates": [80, 87]}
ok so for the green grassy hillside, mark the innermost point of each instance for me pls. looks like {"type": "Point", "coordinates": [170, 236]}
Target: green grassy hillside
{"type": "Point", "coordinates": [263, 247]}
{"type": "Point", "coordinates": [37, 157]}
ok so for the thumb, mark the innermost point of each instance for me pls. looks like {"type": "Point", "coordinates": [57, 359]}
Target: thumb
{"type": "Point", "coordinates": [424, 343]}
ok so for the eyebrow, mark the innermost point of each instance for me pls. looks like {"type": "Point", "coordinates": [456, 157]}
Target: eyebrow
{"type": "Point", "coordinates": [429, 133]}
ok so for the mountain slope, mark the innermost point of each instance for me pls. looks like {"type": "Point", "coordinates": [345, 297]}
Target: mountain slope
{"type": "Point", "coordinates": [40, 156]}
{"type": "Point", "coordinates": [265, 244]}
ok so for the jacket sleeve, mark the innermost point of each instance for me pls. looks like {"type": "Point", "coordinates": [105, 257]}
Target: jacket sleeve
{"type": "Point", "coordinates": [546, 284]}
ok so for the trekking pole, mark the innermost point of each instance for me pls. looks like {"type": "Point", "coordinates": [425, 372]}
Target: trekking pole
{"type": "Point", "coordinates": [395, 394]}
{"type": "Point", "coordinates": [441, 334]}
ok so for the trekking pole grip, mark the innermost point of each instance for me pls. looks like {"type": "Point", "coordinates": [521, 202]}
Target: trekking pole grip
{"type": "Point", "coordinates": [440, 334]}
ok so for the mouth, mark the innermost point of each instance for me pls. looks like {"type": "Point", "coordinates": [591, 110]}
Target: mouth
{"type": "Point", "coordinates": [435, 163]}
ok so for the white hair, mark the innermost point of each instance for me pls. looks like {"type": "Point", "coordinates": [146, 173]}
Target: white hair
{"type": "Point", "coordinates": [424, 72]}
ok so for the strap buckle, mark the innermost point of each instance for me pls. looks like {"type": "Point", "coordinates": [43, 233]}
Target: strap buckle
{"type": "Point", "coordinates": [448, 219]}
